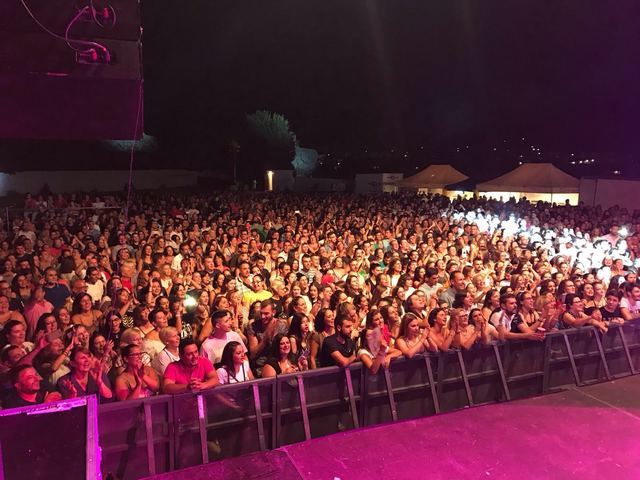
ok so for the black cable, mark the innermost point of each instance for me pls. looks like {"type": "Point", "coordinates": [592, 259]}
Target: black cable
{"type": "Point", "coordinates": [87, 43]}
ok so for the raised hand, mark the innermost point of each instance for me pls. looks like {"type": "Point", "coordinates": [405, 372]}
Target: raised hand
{"type": "Point", "coordinates": [68, 385]}
{"type": "Point", "coordinates": [303, 364]}
{"type": "Point", "coordinates": [138, 374]}
{"type": "Point", "coordinates": [41, 340]}
{"type": "Point", "coordinates": [96, 372]}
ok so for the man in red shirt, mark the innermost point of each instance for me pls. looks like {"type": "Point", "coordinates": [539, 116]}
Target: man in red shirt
{"type": "Point", "coordinates": [191, 373]}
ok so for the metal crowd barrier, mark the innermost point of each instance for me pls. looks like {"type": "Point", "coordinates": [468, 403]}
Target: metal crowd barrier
{"type": "Point", "coordinates": [163, 433]}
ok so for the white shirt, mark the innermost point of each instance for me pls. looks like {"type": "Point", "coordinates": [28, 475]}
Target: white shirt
{"type": "Point", "coordinates": [501, 318]}
{"type": "Point", "coordinates": [162, 361]}
{"type": "Point", "coordinates": [240, 376]}
{"type": "Point", "coordinates": [152, 347]}
{"type": "Point", "coordinates": [632, 307]}
{"type": "Point", "coordinates": [95, 290]}
{"type": "Point", "coordinates": [212, 347]}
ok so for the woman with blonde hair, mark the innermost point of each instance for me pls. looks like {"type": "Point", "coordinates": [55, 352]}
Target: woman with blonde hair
{"type": "Point", "coordinates": [171, 340]}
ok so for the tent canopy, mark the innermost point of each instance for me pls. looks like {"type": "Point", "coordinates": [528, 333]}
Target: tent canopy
{"type": "Point", "coordinates": [434, 176]}
{"type": "Point", "coordinates": [533, 178]}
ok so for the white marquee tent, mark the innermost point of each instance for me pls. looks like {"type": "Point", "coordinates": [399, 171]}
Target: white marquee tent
{"type": "Point", "coordinates": [536, 181]}
{"type": "Point", "coordinates": [433, 179]}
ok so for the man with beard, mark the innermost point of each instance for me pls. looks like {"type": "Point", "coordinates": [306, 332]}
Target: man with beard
{"type": "Point", "coordinates": [339, 349]}
{"type": "Point", "coordinates": [506, 319]}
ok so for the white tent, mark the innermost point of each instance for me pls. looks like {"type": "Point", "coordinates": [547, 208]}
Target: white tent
{"type": "Point", "coordinates": [536, 181]}
{"type": "Point", "coordinates": [433, 179]}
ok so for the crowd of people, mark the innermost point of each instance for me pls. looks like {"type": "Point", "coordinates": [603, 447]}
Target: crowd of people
{"type": "Point", "coordinates": [184, 292]}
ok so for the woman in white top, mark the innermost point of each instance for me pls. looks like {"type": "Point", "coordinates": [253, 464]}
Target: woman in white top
{"type": "Point", "coordinates": [235, 366]}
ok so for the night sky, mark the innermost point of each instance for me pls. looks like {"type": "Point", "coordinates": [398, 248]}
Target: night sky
{"type": "Point", "coordinates": [392, 84]}
{"type": "Point", "coordinates": [379, 75]}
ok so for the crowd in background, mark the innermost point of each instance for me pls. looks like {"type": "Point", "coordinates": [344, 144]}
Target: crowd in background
{"type": "Point", "coordinates": [183, 292]}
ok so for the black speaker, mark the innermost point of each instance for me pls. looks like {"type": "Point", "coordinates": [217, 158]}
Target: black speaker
{"type": "Point", "coordinates": [50, 441]}
{"type": "Point", "coordinates": [49, 90]}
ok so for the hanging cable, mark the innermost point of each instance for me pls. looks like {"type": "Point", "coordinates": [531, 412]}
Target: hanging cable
{"type": "Point", "coordinates": [99, 22]}
{"type": "Point", "coordinates": [67, 40]}
{"type": "Point", "coordinates": [131, 156]}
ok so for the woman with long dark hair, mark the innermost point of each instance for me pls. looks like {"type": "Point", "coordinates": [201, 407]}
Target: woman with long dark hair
{"type": "Point", "coordinates": [300, 334]}
{"type": "Point", "coordinates": [234, 366]}
{"type": "Point", "coordinates": [112, 329]}
{"type": "Point", "coordinates": [440, 333]}
{"type": "Point", "coordinates": [375, 350]}
{"type": "Point", "coordinates": [324, 327]}
{"type": "Point", "coordinates": [83, 313]}
{"type": "Point", "coordinates": [575, 317]}
{"type": "Point", "coordinates": [282, 360]}
{"type": "Point", "coordinates": [491, 303]}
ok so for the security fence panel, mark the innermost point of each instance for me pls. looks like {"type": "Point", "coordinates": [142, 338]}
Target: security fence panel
{"type": "Point", "coordinates": [452, 383]}
{"type": "Point", "coordinates": [231, 426]}
{"type": "Point", "coordinates": [590, 361]}
{"type": "Point", "coordinates": [136, 437]}
{"type": "Point", "coordinates": [376, 406]}
{"type": "Point", "coordinates": [413, 389]}
{"type": "Point", "coordinates": [632, 338]}
{"type": "Point", "coordinates": [523, 362]}
{"type": "Point", "coordinates": [558, 365]}
{"type": "Point", "coordinates": [328, 400]}
{"type": "Point", "coordinates": [291, 416]}
{"type": "Point", "coordinates": [617, 353]}
{"type": "Point", "coordinates": [483, 368]}
{"type": "Point", "coordinates": [188, 449]}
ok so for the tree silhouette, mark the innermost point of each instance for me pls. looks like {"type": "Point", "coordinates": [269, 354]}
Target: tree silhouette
{"type": "Point", "coordinates": [272, 143]}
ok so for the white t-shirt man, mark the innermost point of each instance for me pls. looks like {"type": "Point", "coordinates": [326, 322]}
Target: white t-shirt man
{"type": "Point", "coordinates": [632, 307]}
{"type": "Point", "coordinates": [212, 347]}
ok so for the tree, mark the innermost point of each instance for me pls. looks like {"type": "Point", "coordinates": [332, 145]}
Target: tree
{"type": "Point", "coordinates": [274, 143]}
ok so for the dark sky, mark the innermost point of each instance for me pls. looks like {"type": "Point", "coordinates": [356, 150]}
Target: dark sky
{"type": "Point", "coordinates": [354, 74]}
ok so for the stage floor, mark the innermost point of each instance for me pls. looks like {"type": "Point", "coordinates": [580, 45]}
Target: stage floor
{"type": "Point", "coordinates": [584, 433]}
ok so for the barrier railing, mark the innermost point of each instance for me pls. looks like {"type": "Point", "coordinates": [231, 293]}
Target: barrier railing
{"type": "Point", "coordinates": [158, 434]}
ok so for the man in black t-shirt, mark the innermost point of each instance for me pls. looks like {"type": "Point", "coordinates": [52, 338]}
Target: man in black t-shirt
{"type": "Point", "coordinates": [26, 389]}
{"type": "Point", "coordinates": [339, 349]}
{"type": "Point", "coordinates": [611, 311]}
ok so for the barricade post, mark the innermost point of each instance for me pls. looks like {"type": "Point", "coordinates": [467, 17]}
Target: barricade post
{"type": "Point", "coordinates": [452, 382]}
{"type": "Point", "coordinates": [484, 373]}
{"type": "Point", "coordinates": [585, 348]}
